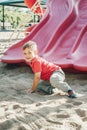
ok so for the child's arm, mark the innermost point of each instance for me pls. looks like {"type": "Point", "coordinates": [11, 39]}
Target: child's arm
{"type": "Point", "coordinates": [35, 82]}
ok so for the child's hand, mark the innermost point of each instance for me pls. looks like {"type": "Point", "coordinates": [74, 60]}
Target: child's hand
{"type": "Point", "coordinates": [30, 91]}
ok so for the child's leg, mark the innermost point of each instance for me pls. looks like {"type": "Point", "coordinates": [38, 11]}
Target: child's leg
{"type": "Point", "coordinates": [45, 86]}
{"type": "Point", "coordinates": [57, 80]}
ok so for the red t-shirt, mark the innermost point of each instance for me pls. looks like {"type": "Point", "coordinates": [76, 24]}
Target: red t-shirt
{"type": "Point", "coordinates": [46, 68]}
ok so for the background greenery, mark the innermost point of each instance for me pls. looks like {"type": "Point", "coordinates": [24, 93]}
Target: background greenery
{"type": "Point", "coordinates": [17, 16]}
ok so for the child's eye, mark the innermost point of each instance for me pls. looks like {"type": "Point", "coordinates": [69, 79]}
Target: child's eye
{"type": "Point", "coordinates": [24, 53]}
{"type": "Point", "coordinates": [29, 52]}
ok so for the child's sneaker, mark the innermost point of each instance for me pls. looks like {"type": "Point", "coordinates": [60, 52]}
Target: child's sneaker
{"type": "Point", "coordinates": [71, 94]}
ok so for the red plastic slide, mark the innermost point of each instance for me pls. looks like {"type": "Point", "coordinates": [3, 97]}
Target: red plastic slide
{"type": "Point", "coordinates": [69, 50]}
{"type": "Point", "coordinates": [61, 36]}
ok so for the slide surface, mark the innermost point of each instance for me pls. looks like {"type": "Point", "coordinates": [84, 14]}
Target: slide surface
{"type": "Point", "coordinates": [61, 36]}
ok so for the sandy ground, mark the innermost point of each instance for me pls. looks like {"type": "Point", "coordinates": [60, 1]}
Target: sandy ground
{"type": "Point", "coordinates": [22, 111]}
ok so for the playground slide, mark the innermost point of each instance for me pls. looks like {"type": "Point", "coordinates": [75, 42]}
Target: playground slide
{"type": "Point", "coordinates": [61, 36]}
{"type": "Point", "coordinates": [44, 32]}
{"type": "Point", "coordinates": [70, 49]}
{"type": "Point", "coordinates": [79, 51]}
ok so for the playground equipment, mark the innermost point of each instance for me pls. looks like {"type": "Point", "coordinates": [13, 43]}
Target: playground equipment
{"type": "Point", "coordinates": [35, 6]}
{"type": "Point", "coordinates": [61, 36]}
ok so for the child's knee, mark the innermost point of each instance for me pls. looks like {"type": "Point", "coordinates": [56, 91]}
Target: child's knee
{"type": "Point", "coordinates": [56, 78]}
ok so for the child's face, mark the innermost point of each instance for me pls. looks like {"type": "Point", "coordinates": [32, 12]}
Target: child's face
{"type": "Point", "coordinates": [29, 54]}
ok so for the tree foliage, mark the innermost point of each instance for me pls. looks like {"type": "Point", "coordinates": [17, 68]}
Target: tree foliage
{"type": "Point", "coordinates": [15, 15]}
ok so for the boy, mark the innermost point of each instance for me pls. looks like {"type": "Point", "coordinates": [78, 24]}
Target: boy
{"type": "Point", "coordinates": [51, 74]}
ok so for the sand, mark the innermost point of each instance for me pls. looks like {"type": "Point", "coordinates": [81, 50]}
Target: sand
{"type": "Point", "coordinates": [22, 111]}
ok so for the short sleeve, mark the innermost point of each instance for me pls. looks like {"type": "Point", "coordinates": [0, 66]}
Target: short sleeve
{"type": "Point", "coordinates": [37, 66]}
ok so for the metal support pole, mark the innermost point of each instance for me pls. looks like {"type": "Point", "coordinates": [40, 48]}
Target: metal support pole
{"type": "Point", "coordinates": [3, 26]}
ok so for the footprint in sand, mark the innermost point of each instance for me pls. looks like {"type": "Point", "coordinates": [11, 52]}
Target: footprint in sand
{"type": "Point", "coordinates": [72, 126]}
{"type": "Point", "coordinates": [77, 103]}
{"type": "Point", "coordinates": [80, 112]}
{"type": "Point", "coordinates": [17, 108]}
{"type": "Point", "coordinates": [84, 119]}
{"type": "Point", "coordinates": [7, 124]}
{"type": "Point", "coordinates": [57, 117]}
{"type": "Point", "coordinates": [24, 127]}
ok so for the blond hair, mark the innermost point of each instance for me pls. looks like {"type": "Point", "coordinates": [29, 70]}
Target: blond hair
{"type": "Point", "coordinates": [31, 45]}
